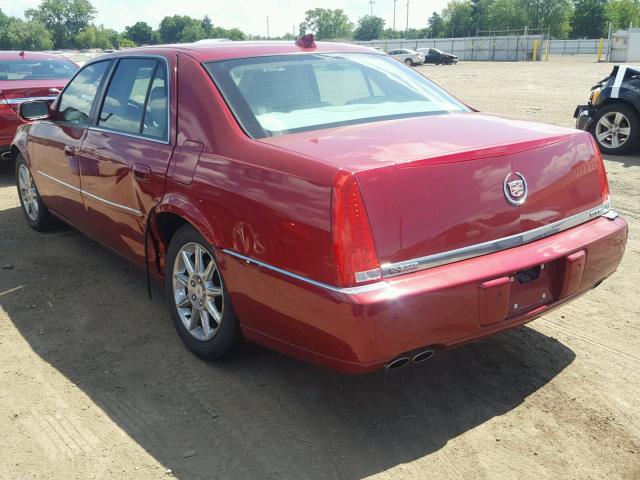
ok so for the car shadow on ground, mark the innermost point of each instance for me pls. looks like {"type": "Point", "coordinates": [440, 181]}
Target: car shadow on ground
{"type": "Point", "coordinates": [632, 160]}
{"type": "Point", "coordinates": [259, 414]}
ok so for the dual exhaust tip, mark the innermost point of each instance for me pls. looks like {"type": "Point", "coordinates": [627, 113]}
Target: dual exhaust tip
{"type": "Point", "coordinates": [419, 357]}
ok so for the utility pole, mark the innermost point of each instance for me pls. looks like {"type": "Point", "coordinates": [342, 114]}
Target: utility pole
{"type": "Point", "coordinates": [407, 29]}
{"type": "Point", "coordinates": [394, 15]}
{"type": "Point", "coordinates": [371, 4]}
{"type": "Point", "coordinates": [267, 27]}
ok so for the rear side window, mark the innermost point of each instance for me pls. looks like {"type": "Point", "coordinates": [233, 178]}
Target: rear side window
{"type": "Point", "coordinates": [124, 105]}
{"type": "Point", "coordinates": [77, 99]}
{"type": "Point", "coordinates": [156, 117]}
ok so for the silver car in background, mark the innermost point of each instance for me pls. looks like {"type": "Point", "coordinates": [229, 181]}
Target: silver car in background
{"type": "Point", "coordinates": [409, 57]}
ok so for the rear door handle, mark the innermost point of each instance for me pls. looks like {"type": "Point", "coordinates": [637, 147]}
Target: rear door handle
{"type": "Point", "coordinates": [69, 151]}
{"type": "Point", "coordinates": [141, 172]}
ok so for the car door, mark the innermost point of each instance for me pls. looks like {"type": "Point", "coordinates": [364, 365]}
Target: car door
{"type": "Point", "coordinates": [431, 56]}
{"type": "Point", "coordinates": [125, 154]}
{"type": "Point", "coordinates": [54, 148]}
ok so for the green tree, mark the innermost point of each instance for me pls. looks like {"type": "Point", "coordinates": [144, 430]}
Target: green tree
{"type": "Point", "coordinates": [504, 15]}
{"type": "Point", "coordinates": [622, 13]}
{"type": "Point", "coordinates": [140, 33]}
{"type": "Point", "coordinates": [207, 26]}
{"type": "Point", "coordinates": [97, 37]}
{"type": "Point", "coordinates": [64, 19]}
{"type": "Point", "coordinates": [20, 35]}
{"type": "Point", "coordinates": [234, 34]}
{"type": "Point", "coordinates": [192, 33]}
{"type": "Point", "coordinates": [369, 28]}
{"type": "Point", "coordinates": [326, 23]}
{"type": "Point", "coordinates": [588, 19]}
{"type": "Point", "coordinates": [171, 27]}
{"type": "Point", "coordinates": [124, 42]}
{"type": "Point", "coordinates": [436, 26]}
{"type": "Point", "coordinates": [458, 18]}
{"type": "Point", "coordinates": [553, 14]}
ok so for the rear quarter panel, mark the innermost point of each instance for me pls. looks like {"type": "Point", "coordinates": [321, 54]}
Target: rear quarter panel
{"type": "Point", "coordinates": [258, 200]}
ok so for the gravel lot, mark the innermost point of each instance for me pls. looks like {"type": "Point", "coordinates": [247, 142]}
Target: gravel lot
{"type": "Point", "coordinates": [94, 382]}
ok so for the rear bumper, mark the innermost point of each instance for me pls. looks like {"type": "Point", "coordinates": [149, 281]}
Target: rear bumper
{"type": "Point", "coordinates": [361, 330]}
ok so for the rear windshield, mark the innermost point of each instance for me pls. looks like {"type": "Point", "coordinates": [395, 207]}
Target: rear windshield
{"type": "Point", "coordinates": [50, 69]}
{"type": "Point", "coordinates": [276, 95]}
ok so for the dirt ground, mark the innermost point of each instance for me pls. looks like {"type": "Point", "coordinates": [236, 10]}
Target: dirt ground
{"type": "Point", "coordinates": [94, 382]}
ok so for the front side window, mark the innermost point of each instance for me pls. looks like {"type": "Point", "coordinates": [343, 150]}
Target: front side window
{"type": "Point", "coordinates": [50, 69]}
{"type": "Point", "coordinates": [77, 99]}
{"type": "Point", "coordinates": [277, 95]}
{"type": "Point", "coordinates": [129, 90]}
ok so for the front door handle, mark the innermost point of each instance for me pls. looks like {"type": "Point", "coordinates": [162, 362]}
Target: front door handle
{"type": "Point", "coordinates": [69, 151]}
{"type": "Point", "coordinates": [141, 172]}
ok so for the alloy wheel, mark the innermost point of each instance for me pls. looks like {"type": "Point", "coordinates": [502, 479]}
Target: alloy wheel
{"type": "Point", "coordinates": [197, 291]}
{"type": "Point", "coordinates": [28, 193]}
{"type": "Point", "coordinates": [613, 130]}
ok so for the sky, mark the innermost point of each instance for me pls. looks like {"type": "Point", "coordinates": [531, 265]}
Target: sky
{"type": "Point", "coordinates": [248, 15]}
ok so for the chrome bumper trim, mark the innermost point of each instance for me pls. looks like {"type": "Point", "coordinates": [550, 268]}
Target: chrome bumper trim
{"type": "Point", "coordinates": [452, 256]}
{"type": "Point", "coordinates": [326, 286]}
{"type": "Point", "coordinates": [472, 251]}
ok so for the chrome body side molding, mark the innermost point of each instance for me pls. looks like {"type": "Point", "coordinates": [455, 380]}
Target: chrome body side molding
{"type": "Point", "coordinates": [91, 195]}
{"type": "Point", "coordinates": [345, 291]}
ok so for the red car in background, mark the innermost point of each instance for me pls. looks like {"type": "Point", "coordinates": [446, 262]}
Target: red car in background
{"type": "Point", "coordinates": [28, 76]}
{"type": "Point", "coordinates": [323, 200]}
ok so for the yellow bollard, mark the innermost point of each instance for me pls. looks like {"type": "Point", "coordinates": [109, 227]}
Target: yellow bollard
{"type": "Point", "coordinates": [546, 54]}
{"type": "Point", "coordinates": [600, 49]}
{"type": "Point", "coordinates": [535, 50]}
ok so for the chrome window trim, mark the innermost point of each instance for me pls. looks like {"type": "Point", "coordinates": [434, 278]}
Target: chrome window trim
{"type": "Point", "coordinates": [390, 270]}
{"type": "Point", "coordinates": [452, 256]}
{"type": "Point", "coordinates": [17, 101]}
{"type": "Point", "coordinates": [91, 195]}
{"type": "Point", "coordinates": [103, 94]}
{"type": "Point", "coordinates": [125, 134]}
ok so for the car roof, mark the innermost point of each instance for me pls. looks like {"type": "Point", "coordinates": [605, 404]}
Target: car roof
{"type": "Point", "coordinates": [26, 55]}
{"type": "Point", "coordinates": [226, 50]}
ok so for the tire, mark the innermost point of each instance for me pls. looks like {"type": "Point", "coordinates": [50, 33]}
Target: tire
{"type": "Point", "coordinates": [408, 62]}
{"type": "Point", "coordinates": [627, 136]}
{"type": "Point", "coordinates": [215, 332]}
{"type": "Point", "coordinates": [35, 212]}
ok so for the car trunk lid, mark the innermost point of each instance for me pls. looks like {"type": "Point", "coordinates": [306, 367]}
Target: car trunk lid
{"type": "Point", "coordinates": [438, 184]}
{"type": "Point", "coordinates": [424, 208]}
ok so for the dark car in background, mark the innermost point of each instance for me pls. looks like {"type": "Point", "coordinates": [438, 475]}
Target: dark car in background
{"type": "Point", "coordinates": [28, 76]}
{"type": "Point", "coordinates": [437, 57]}
{"type": "Point", "coordinates": [612, 115]}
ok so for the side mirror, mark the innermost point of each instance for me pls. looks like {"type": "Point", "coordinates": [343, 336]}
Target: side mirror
{"type": "Point", "coordinates": [34, 110]}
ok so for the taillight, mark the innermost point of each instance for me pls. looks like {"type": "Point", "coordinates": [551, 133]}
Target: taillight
{"type": "Point", "coordinates": [353, 247]}
{"type": "Point", "coordinates": [604, 182]}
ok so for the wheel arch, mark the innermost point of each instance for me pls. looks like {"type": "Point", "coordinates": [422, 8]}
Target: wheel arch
{"type": "Point", "coordinates": [620, 101]}
{"type": "Point", "coordinates": [173, 212]}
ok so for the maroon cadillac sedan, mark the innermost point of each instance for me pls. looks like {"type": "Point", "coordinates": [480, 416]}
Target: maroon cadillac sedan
{"type": "Point", "coordinates": [28, 76]}
{"type": "Point", "coordinates": [321, 199]}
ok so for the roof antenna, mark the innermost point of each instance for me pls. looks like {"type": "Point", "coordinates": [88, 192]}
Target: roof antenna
{"type": "Point", "coordinates": [306, 41]}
